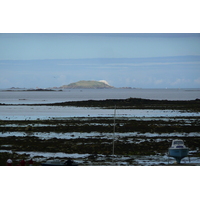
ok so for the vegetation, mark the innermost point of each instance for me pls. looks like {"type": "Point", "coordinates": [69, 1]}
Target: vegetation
{"type": "Point", "coordinates": [87, 84]}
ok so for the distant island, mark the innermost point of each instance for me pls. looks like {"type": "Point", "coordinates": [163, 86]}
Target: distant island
{"type": "Point", "coordinates": [102, 84]}
{"type": "Point", "coordinates": [88, 85]}
{"type": "Point", "coordinates": [30, 90]}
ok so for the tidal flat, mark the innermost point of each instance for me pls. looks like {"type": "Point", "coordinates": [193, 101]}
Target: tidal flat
{"type": "Point", "coordinates": [143, 132]}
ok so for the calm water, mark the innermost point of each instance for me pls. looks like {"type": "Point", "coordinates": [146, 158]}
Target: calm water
{"type": "Point", "coordinates": [44, 112]}
{"type": "Point", "coordinates": [58, 112]}
{"type": "Point", "coordinates": [20, 97]}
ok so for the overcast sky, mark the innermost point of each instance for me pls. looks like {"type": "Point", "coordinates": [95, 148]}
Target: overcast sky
{"type": "Point", "coordinates": [149, 60]}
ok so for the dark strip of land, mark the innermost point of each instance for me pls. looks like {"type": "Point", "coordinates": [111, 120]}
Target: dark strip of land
{"type": "Point", "coordinates": [130, 103]}
{"type": "Point", "coordinates": [103, 125]}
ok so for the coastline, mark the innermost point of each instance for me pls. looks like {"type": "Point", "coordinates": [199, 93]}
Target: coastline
{"type": "Point", "coordinates": [130, 103]}
{"type": "Point", "coordinates": [91, 137]}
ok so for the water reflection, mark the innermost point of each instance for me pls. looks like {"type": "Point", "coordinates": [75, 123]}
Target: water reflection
{"type": "Point", "coordinates": [57, 112]}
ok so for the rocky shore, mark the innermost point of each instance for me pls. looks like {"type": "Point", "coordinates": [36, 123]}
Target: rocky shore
{"type": "Point", "coordinates": [134, 136]}
{"type": "Point", "coordinates": [130, 103]}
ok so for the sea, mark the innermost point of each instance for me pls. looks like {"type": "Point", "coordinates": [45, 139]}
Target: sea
{"type": "Point", "coordinates": [18, 111]}
{"type": "Point", "coordinates": [29, 97]}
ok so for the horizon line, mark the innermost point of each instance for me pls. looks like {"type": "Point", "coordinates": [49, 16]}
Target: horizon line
{"type": "Point", "coordinates": [100, 58]}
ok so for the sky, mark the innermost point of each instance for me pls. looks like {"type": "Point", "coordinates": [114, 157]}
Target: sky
{"type": "Point", "coordinates": [148, 60]}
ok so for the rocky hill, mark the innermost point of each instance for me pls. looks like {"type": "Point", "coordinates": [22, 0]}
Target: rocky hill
{"type": "Point", "coordinates": [87, 85]}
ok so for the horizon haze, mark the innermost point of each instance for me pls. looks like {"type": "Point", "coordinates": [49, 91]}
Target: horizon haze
{"type": "Point", "coordinates": [122, 59]}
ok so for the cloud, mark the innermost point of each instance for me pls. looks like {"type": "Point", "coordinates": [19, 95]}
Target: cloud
{"type": "Point", "coordinates": [157, 82]}
{"type": "Point", "coordinates": [111, 67]}
{"type": "Point", "coordinates": [197, 81]}
{"type": "Point", "coordinates": [155, 63]}
{"type": "Point", "coordinates": [180, 81]}
{"type": "Point", "coordinates": [143, 73]}
{"type": "Point", "coordinates": [4, 83]}
{"type": "Point", "coordinates": [68, 64]}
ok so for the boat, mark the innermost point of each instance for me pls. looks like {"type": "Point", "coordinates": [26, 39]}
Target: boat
{"type": "Point", "coordinates": [178, 150]}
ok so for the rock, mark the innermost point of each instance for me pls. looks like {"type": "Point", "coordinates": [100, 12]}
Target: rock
{"type": "Point", "coordinates": [28, 128]}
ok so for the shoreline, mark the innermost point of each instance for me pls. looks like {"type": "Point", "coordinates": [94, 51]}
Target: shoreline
{"type": "Point", "coordinates": [93, 136]}
{"type": "Point", "coordinates": [135, 139]}
{"type": "Point", "coordinates": [129, 103]}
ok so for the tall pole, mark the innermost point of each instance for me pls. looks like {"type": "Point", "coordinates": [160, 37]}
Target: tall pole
{"type": "Point", "coordinates": [113, 151]}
